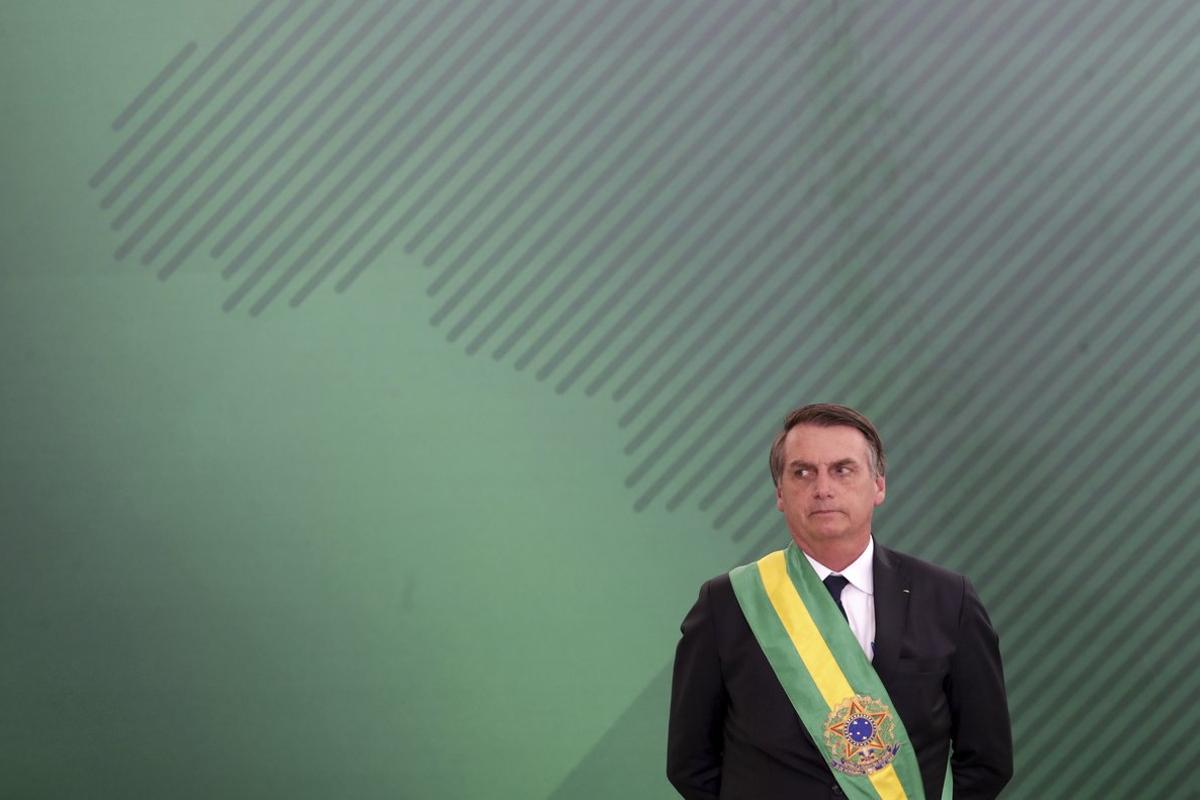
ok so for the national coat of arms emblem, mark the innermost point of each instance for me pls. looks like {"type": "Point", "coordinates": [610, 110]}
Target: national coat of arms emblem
{"type": "Point", "coordinates": [860, 733]}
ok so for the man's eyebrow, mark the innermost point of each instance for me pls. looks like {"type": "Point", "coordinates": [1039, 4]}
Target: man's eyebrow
{"type": "Point", "coordinates": [841, 462]}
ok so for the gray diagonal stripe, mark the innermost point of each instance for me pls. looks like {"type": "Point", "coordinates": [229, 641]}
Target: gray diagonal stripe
{"type": "Point", "coordinates": [325, 103]}
{"type": "Point", "coordinates": [637, 71]}
{"type": "Point", "coordinates": [468, 52]}
{"type": "Point", "coordinates": [232, 135]}
{"type": "Point", "coordinates": [147, 94]}
{"type": "Point", "coordinates": [583, 229]}
{"type": "Point", "coordinates": [674, 139]}
{"type": "Point", "coordinates": [583, 164]}
{"type": "Point", "coordinates": [397, 65]}
{"type": "Point", "coordinates": [200, 103]}
{"type": "Point", "coordinates": [173, 99]}
{"type": "Point", "coordinates": [522, 27]}
{"type": "Point", "coordinates": [552, 88]}
{"type": "Point", "coordinates": [477, 112]}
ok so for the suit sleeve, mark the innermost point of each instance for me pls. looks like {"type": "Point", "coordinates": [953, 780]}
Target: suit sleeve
{"type": "Point", "coordinates": [982, 758]}
{"type": "Point", "coordinates": [695, 733]}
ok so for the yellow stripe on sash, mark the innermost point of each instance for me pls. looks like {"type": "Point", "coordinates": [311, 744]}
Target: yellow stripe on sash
{"type": "Point", "coordinates": [815, 653]}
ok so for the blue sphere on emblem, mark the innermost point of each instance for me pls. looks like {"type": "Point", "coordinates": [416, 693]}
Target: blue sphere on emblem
{"type": "Point", "coordinates": [860, 729]}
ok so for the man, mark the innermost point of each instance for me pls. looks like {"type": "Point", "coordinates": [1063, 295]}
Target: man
{"type": "Point", "coordinates": [837, 667]}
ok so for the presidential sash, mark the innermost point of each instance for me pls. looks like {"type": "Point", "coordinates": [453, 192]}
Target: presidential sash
{"type": "Point", "coordinates": [826, 675]}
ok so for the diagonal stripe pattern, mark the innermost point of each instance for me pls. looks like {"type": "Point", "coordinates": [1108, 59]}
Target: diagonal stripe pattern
{"type": "Point", "coordinates": [973, 221]}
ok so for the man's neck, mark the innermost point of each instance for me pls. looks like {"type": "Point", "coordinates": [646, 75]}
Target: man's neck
{"type": "Point", "coordinates": [837, 555]}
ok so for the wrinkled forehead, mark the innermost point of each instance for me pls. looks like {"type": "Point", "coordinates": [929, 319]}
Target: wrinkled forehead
{"type": "Point", "coordinates": [825, 444]}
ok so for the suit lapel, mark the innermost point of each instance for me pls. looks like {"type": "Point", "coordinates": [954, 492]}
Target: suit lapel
{"type": "Point", "coordinates": [891, 609]}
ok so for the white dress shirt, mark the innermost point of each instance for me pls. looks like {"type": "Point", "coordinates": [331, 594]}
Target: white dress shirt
{"type": "Point", "coordinates": [858, 598]}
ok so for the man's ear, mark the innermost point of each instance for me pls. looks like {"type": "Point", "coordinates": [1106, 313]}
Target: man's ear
{"type": "Point", "coordinates": [779, 498]}
{"type": "Point", "coordinates": [880, 489]}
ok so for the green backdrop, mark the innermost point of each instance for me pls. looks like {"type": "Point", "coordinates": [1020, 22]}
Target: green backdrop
{"type": "Point", "coordinates": [380, 380]}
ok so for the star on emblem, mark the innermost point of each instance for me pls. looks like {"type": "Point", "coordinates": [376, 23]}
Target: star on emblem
{"type": "Point", "coordinates": [858, 729]}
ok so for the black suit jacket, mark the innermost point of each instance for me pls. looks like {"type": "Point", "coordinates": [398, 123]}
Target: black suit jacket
{"type": "Point", "coordinates": [734, 734]}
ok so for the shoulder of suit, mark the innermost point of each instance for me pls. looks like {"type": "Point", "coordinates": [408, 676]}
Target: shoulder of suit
{"type": "Point", "coordinates": [718, 593]}
{"type": "Point", "coordinates": [719, 584]}
{"type": "Point", "coordinates": [922, 570]}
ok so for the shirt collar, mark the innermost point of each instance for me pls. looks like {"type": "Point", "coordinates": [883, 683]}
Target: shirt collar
{"type": "Point", "coordinates": [860, 572]}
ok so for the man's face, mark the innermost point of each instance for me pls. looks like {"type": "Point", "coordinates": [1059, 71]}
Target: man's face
{"type": "Point", "coordinates": [827, 491]}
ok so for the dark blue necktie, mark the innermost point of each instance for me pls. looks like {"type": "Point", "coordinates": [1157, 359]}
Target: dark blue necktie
{"type": "Point", "coordinates": [835, 584]}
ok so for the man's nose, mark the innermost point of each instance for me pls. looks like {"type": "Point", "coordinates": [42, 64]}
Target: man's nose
{"type": "Point", "coordinates": [824, 485]}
